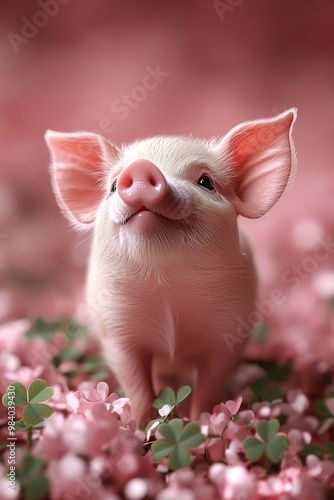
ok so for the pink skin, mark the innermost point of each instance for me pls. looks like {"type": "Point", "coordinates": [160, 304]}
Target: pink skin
{"type": "Point", "coordinates": [170, 274]}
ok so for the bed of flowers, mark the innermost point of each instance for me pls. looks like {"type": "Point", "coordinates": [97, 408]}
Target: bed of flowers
{"type": "Point", "coordinates": [66, 430]}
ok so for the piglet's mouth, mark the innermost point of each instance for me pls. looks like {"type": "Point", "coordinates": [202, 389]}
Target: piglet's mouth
{"type": "Point", "coordinates": [145, 221]}
{"type": "Point", "coordinates": [143, 213]}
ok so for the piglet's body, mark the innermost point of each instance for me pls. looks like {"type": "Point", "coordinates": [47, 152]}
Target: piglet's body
{"type": "Point", "coordinates": [170, 275]}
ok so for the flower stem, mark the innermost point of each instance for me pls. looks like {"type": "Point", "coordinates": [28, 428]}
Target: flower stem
{"type": "Point", "coordinates": [29, 438]}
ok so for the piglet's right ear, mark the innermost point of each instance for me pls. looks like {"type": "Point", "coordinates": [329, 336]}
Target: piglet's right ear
{"type": "Point", "coordinates": [79, 166]}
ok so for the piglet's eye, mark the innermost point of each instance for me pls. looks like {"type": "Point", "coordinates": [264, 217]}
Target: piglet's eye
{"type": "Point", "coordinates": [113, 186]}
{"type": "Point", "coordinates": [206, 182]}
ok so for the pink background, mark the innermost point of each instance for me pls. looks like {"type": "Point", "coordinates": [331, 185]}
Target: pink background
{"type": "Point", "coordinates": [249, 60]}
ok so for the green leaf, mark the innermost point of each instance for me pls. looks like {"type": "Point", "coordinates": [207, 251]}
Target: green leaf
{"type": "Point", "coordinates": [30, 466]}
{"type": "Point", "coordinates": [172, 431]}
{"type": "Point", "coordinates": [180, 457]}
{"type": "Point", "coordinates": [329, 448]}
{"type": "Point", "coordinates": [151, 423]}
{"type": "Point", "coordinates": [267, 429]}
{"type": "Point", "coordinates": [30, 475]}
{"type": "Point", "coordinates": [253, 448]}
{"type": "Point", "coordinates": [276, 448]}
{"type": "Point", "coordinates": [165, 397]}
{"type": "Point", "coordinates": [72, 329]}
{"type": "Point", "coordinates": [273, 393]}
{"type": "Point", "coordinates": [261, 333]}
{"type": "Point", "coordinates": [34, 414]}
{"type": "Point", "coordinates": [277, 372]}
{"type": "Point", "coordinates": [183, 393]}
{"type": "Point", "coordinates": [38, 391]}
{"type": "Point", "coordinates": [18, 395]}
{"type": "Point", "coordinates": [321, 408]}
{"type": "Point", "coordinates": [161, 449]}
{"type": "Point", "coordinates": [20, 426]}
{"type": "Point", "coordinates": [71, 373]}
{"type": "Point", "coordinates": [41, 328]}
{"type": "Point", "coordinates": [260, 385]}
{"type": "Point", "coordinates": [37, 488]}
{"type": "Point", "coordinates": [311, 449]}
{"type": "Point", "coordinates": [191, 435]}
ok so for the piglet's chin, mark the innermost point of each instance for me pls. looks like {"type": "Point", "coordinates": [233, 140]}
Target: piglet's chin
{"type": "Point", "coordinates": [144, 222]}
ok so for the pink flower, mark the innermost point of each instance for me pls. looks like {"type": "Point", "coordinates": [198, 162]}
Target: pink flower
{"type": "Point", "coordinates": [11, 334]}
{"type": "Point", "coordinates": [232, 453]}
{"type": "Point", "coordinates": [213, 424]}
{"type": "Point", "coordinates": [67, 476]}
{"type": "Point", "coordinates": [236, 431]}
{"type": "Point", "coordinates": [231, 408]}
{"type": "Point", "coordinates": [24, 374]}
{"type": "Point", "coordinates": [51, 444]}
{"type": "Point", "coordinates": [320, 469]}
{"type": "Point", "coordinates": [87, 396]}
{"type": "Point", "coordinates": [233, 481]}
{"type": "Point", "coordinates": [268, 410]}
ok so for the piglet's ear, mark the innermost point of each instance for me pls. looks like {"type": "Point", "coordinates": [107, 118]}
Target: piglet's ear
{"type": "Point", "coordinates": [262, 157]}
{"type": "Point", "coordinates": [79, 166]}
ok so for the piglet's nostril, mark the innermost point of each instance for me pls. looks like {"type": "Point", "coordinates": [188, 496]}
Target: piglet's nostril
{"type": "Point", "coordinates": [127, 182]}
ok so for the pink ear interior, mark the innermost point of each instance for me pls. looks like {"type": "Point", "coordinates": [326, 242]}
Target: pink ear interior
{"type": "Point", "coordinates": [262, 155]}
{"type": "Point", "coordinates": [79, 163]}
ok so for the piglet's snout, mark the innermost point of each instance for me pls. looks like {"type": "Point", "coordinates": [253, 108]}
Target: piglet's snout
{"type": "Point", "coordinates": [142, 183]}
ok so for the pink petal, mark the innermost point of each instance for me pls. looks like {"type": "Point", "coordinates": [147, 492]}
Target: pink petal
{"type": "Point", "coordinates": [314, 465]}
{"type": "Point", "coordinates": [103, 390]}
{"type": "Point", "coordinates": [90, 393]}
{"type": "Point", "coordinates": [330, 405]}
{"type": "Point", "coordinates": [72, 401]}
{"type": "Point", "coordinates": [165, 410]}
{"type": "Point", "coordinates": [247, 415]}
{"type": "Point", "coordinates": [233, 406]}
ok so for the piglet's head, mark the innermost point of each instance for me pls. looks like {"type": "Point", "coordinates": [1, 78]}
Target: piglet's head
{"type": "Point", "coordinates": [172, 179]}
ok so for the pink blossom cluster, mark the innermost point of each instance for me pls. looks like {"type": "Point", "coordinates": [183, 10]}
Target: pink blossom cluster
{"type": "Point", "coordinates": [93, 449]}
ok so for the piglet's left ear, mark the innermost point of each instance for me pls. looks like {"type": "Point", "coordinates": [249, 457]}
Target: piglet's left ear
{"type": "Point", "coordinates": [262, 157]}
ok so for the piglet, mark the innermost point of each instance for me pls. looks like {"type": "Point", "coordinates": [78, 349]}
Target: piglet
{"type": "Point", "coordinates": [170, 274]}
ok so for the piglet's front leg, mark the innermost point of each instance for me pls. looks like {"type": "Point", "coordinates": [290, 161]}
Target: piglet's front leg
{"type": "Point", "coordinates": [133, 369]}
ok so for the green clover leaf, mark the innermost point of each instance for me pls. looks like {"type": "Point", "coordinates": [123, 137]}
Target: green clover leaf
{"type": "Point", "coordinates": [276, 448]}
{"type": "Point", "coordinates": [34, 411]}
{"type": "Point", "coordinates": [38, 391]}
{"type": "Point", "coordinates": [178, 439]}
{"type": "Point", "coordinates": [16, 395]}
{"type": "Point", "coordinates": [267, 429]}
{"type": "Point", "coordinates": [34, 484]}
{"type": "Point", "coordinates": [167, 398]}
{"type": "Point", "coordinates": [34, 414]}
{"type": "Point", "coordinates": [41, 328]}
{"type": "Point", "coordinates": [254, 448]}
{"type": "Point", "coordinates": [182, 393]}
{"type": "Point", "coordinates": [271, 445]}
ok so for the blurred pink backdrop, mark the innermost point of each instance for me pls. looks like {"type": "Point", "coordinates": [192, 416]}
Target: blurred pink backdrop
{"type": "Point", "coordinates": [69, 65]}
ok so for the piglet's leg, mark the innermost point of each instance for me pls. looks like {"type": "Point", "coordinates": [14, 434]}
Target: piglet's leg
{"type": "Point", "coordinates": [133, 371]}
{"type": "Point", "coordinates": [213, 373]}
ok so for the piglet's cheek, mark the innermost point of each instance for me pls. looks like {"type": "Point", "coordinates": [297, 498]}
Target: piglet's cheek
{"type": "Point", "coordinates": [118, 211]}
